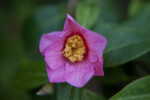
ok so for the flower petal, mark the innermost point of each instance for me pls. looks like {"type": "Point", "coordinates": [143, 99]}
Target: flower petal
{"type": "Point", "coordinates": [48, 39]}
{"type": "Point", "coordinates": [93, 56]}
{"type": "Point", "coordinates": [99, 68]}
{"type": "Point", "coordinates": [96, 42]}
{"type": "Point", "coordinates": [53, 56]}
{"type": "Point", "coordinates": [71, 26]}
{"type": "Point", "coordinates": [79, 74]}
{"type": "Point", "coordinates": [56, 75]}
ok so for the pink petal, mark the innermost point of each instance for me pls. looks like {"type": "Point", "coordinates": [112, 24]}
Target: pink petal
{"type": "Point", "coordinates": [99, 68]}
{"type": "Point", "coordinates": [53, 56]}
{"type": "Point", "coordinates": [96, 42]}
{"type": "Point", "coordinates": [93, 56]}
{"type": "Point", "coordinates": [48, 39]}
{"type": "Point", "coordinates": [79, 74]}
{"type": "Point", "coordinates": [71, 26]}
{"type": "Point", "coordinates": [56, 75]}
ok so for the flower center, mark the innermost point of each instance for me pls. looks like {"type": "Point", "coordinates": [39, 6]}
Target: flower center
{"type": "Point", "coordinates": [74, 48]}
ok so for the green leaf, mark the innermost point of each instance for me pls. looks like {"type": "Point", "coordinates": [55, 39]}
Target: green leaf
{"type": "Point", "coordinates": [135, 7]}
{"type": "Point", "coordinates": [89, 95]}
{"type": "Point", "coordinates": [118, 73]}
{"type": "Point", "coordinates": [110, 11]}
{"type": "Point", "coordinates": [87, 13]}
{"type": "Point", "coordinates": [137, 90]}
{"type": "Point", "coordinates": [104, 11]}
{"type": "Point", "coordinates": [127, 42]}
{"type": "Point", "coordinates": [105, 28]}
{"type": "Point", "coordinates": [125, 45]}
{"type": "Point", "coordinates": [45, 19]}
{"type": "Point", "coordinates": [142, 21]}
{"type": "Point", "coordinates": [145, 58]}
{"type": "Point", "coordinates": [31, 75]}
{"type": "Point", "coordinates": [64, 91]}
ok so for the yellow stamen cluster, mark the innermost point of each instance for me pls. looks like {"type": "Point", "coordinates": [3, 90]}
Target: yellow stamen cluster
{"type": "Point", "coordinates": [74, 48]}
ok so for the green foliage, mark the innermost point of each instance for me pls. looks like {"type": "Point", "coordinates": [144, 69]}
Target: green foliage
{"type": "Point", "coordinates": [31, 74]}
{"type": "Point", "coordinates": [12, 92]}
{"type": "Point", "coordinates": [127, 41]}
{"type": "Point", "coordinates": [87, 13]}
{"type": "Point", "coordinates": [135, 7]}
{"type": "Point", "coordinates": [45, 19]}
{"type": "Point", "coordinates": [64, 91]}
{"type": "Point", "coordinates": [89, 95]}
{"type": "Point", "coordinates": [125, 52]}
{"type": "Point", "coordinates": [118, 73]}
{"type": "Point", "coordinates": [110, 11]}
{"type": "Point", "coordinates": [137, 90]}
{"type": "Point", "coordinates": [144, 59]}
{"type": "Point", "coordinates": [125, 45]}
{"type": "Point", "coordinates": [124, 23]}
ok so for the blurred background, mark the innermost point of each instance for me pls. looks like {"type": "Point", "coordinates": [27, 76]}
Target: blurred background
{"type": "Point", "coordinates": [22, 22]}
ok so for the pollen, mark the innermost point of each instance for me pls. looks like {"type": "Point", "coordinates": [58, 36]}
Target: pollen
{"type": "Point", "coordinates": [74, 48]}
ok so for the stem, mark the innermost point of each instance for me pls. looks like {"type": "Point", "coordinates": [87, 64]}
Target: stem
{"type": "Point", "coordinates": [64, 91]}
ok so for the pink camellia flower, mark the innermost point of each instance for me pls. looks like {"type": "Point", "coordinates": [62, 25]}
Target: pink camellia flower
{"type": "Point", "coordinates": [73, 55]}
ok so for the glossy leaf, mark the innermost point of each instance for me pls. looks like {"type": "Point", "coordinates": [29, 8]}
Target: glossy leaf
{"type": "Point", "coordinates": [31, 75]}
{"type": "Point", "coordinates": [125, 45]}
{"type": "Point", "coordinates": [127, 41]}
{"type": "Point", "coordinates": [87, 13]}
{"type": "Point", "coordinates": [137, 90]}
